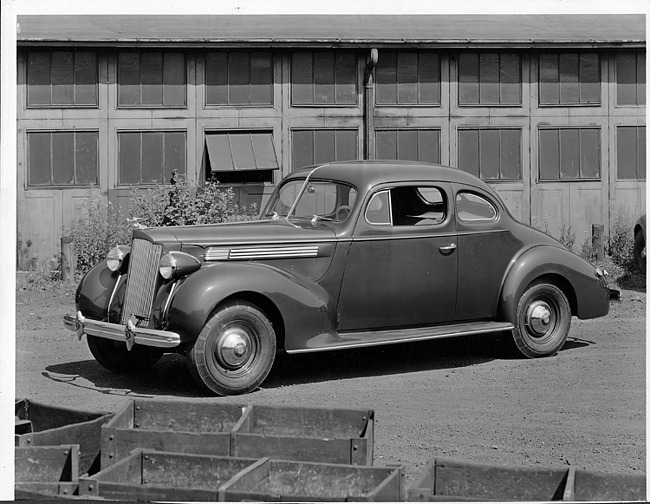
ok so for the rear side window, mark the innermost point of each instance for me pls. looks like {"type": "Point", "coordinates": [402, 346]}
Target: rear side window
{"type": "Point", "coordinates": [407, 206]}
{"type": "Point", "coordinates": [471, 207]}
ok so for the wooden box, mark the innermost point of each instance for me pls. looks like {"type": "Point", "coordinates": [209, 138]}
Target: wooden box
{"type": "Point", "coordinates": [452, 480]}
{"type": "Point", "coordinates": [169, 426]}
{"type": "Point", "coordinates": [38, 424]}
{"type": "Point", "coordinates": [46, 470]}
{"type": "Point", "coordinates": [295, 481]}
{"type": "Point", "coordinates": [152, 476]}
{"type": "Point", "coordinates": [334, 436]}
{"type": "Point", "coordinates": [593, 487]}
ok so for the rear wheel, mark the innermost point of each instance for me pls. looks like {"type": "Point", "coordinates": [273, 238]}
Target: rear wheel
{"type": "Point", "coordinates": [235, 350]}
{"type": "Point", "coordinates": [543, 320]}
{"type": "Point", "coordinates": [114, 356]}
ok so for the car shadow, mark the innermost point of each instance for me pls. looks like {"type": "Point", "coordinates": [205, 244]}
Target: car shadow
{"type": "Point", "coordinates": [170, 375]}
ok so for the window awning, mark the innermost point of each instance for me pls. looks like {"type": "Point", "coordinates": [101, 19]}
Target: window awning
{"type": "Point", "coordinates": [241, 151]}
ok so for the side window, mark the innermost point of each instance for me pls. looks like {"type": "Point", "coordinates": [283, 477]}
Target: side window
{"type": "Point", "coordinates": [471, 207]}
{"type": "Point", "coordinates": [407, 206]}
{"type": "Point", "coordinates": [378, 211]}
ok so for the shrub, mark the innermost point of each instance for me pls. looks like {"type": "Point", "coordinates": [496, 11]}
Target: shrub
{"type": "Point", "coordinates": [621, 241]}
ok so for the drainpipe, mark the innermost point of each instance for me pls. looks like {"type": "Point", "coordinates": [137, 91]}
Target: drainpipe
{"type": "Point", "coordinates": [369, 110]}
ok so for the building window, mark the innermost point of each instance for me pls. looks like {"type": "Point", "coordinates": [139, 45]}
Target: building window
{"type": "Point", "coordinates": [569, 79]}
{"type": "Point", "coordinates": [408, 78]}
{"type": "Point", "coordinates": [241, 157]}
{"type": "Point", "coordinates": [630, 152]}
{"type": "Point", "coordinates": [62, 79]}
{"type": "Point", "coordinates": [569, 153]}
{"type": "Point", "coordinates": [408, 145]}
{"type": "Point", "coordinates": [324, 78]}
{"type": "Point", "coordinates": [151, 79]}
{"type": "Point", "coordinates": [236, 78]}
{"type": "Point", "coordinates": [489, 79]}
{"type": "Point", "coordinates": [62, 158]}
{"type": "Point", "coordinates": [150, 157]}
{"type": "Point", "coordinates": [311, 147]}
{"type": "Point", "coordinates": [630, 78]}
{"type": "Point", "coordinates": [490, 153]}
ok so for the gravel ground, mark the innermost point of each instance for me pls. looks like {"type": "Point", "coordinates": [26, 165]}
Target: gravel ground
{"type": "Point", "coordinates": [459, 399]}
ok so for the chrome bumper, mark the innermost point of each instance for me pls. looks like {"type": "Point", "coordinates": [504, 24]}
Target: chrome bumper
{"type": "Point", "coordinates": [129, 333]}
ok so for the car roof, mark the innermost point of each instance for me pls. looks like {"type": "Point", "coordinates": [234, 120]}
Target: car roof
{"type": "Point", "coordinates": [367, 174]}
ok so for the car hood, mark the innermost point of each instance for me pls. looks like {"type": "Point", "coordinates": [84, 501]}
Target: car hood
{"type": "Point", "coordinates": [237, 233]}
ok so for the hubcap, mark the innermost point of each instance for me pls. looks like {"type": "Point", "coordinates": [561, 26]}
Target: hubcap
{"type": "Point", "coordinates": [233, 348]}
{"type": "Point", "coordinates": [539, 319]}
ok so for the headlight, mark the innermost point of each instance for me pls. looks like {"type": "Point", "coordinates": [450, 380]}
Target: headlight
{"type": "Point", "coordinates": [115, 257]}
{"type": "Point", "coordinates": [177, 264]}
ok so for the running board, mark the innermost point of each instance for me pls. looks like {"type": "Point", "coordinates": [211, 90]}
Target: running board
{"type": "Point", "coordinates": [360, 339]}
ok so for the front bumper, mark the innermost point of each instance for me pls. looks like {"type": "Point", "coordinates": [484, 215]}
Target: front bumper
{"type": "Point", "coordinates": [129, 333]}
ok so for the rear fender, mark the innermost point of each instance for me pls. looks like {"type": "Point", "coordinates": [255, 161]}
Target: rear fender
{"type": "Point", "coordinates": [305, 307]}
{"type": "Point", "coordinates": [575, 276]}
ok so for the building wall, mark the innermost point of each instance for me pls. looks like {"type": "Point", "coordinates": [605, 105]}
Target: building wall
{"type": "Point", "coordinates": [558, 161]}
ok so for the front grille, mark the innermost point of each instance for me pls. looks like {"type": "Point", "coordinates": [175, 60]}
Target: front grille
{"type": "Point", "coordinates": [142, 280]}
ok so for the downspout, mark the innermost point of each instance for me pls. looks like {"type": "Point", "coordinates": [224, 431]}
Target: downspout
{"type": "Point", "coordinates": [369, 105]}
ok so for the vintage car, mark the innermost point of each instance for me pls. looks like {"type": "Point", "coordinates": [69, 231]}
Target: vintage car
{"type": "Point", "coordinates": [344, 255]}
{"type": "Point", "coordinates": [639, 243]}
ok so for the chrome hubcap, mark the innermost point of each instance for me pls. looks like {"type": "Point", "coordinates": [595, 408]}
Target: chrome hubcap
{"type": "Point", "coordinates": [233, 348]}
{"type": "Point", "coordinates": [539, 319]}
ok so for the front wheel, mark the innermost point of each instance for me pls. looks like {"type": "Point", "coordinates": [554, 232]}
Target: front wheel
{"type": "Point", "coordinates": [639, 251]}
{"type": "Point", "coordinates": [235, 350]}
{"type": "Point", "coordinates": [543, 320]}
{"type": "Point", "coordinates": [114, 356]}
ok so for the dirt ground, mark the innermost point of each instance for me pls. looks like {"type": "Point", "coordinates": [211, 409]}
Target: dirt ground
{"type": "Point", "coordinates": [460, 399]}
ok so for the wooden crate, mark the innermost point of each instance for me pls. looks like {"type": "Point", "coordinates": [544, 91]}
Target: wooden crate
{"type": "Point", "coordinates": [593, 486]}
{"type": "Point", "coordinates": [150, 475]}
{"type": "Point", "coordinates": [46, 470]}
{"type": "Point", "coordinates": [295, 481]}
{"type": "Point", "coordinates": [39, 424]}
{"type": "Point", "coordinates": [168, 426]}
{"type": "Point", "coordinates": [335, 436]}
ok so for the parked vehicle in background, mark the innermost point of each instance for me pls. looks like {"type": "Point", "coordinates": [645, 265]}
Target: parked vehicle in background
{"type": "Point", "coordinates": [344, 255]}
{"type": "Point", "coordinates": [639, 243]}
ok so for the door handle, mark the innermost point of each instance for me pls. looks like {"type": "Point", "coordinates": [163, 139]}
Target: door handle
{"type": "Point", "coordinates": [448, 249]}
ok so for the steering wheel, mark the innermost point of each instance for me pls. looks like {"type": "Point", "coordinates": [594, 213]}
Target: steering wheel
{"type": "Point", "coordinates": [342, 212]}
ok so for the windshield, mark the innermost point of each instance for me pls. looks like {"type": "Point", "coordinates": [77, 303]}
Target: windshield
{"type": "Point", "coordinates": [320, 199]}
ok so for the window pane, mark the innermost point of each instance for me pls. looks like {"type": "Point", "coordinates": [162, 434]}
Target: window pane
{"type": "Point", "coordinates": [62, 78]}
{"type": "Point", "coordinates": [346, 145]}
{"type": "Point", "coordinates": [511, 154]}
{"type": "Point", "coordinates": [569, 153]}
{"type": "Point", "coordinates": [472, 207]}
{"type": "Point", "coordinates": [129, 79]}
{"type": "Point", "coordinates": [626, 153]}
{"type": "Point", "coordinates": [386, 75]}
{"type": "Point", "coordinates": [626, 79]}
{"type": "Point", "coordinates": [569, 79]}
{"type": "Point", "coordinates": [489, 85]}
{"type": "Point", "coordinates": [489, 153]}
{"type": "Point", "coordinates": [429, 141]}
{"type": "Point", "coordinates": [640, 141]}
{"type": "Point", "coordinates": [590, 153]}
{"type": "Point", "coordinates": [216, 78]}
{"type": "Point", "coordinates": [549, 149]}
{"type": "Point", "coordinates": [38, 78]}
{"type": "Point", "coordinates": [324, 146]}
{"type": "Point", "coordinates": [85, 78]}
{"type": "Point", "coordinates": [129, 144]}
{"type": "Point", "coordinates": [39, 158]}
{"type": "Point", "coordinates": [301, 79]}
{"type": "Point", "coordinates": [468, 66]}
{"type": "Point", "coordinates": [549, 89]}
{"type": "Point", "coordinates": [429, 78]}
{"type": "Point", "coordinates": [386, 144]}
{"type": "Point", "coordinates": [407, 142]}
{"type": "Point", "coordinates": [63, 158]}
{"type": "Point", "coordinates": [151, 78]}
{"type": "Point", "coordinates": [589, 78]}
{"type": "Point", "coordinates": [510, 79]}
{"type": "Point", "coordinates": [174, 79]}
{"type": "Point", "coordinates": [324, 77]}
{"type": "Point", "coordinates": [239, 78]}
{"type": "Point", "coordinates": [468, 151]}
{"type": "Point", "coordinates": [407, 75]}
{"type": "Point", "coordinates": [261, 79]}
{"type": "Point", "coordinates": [302, 149]}
{"type": "Point", "coordinates": [86, 157]}
{"type": "Point", "coordinates": [346, 79]}
{"type": "Point", "coordinates": [174, 154]}
{"type": "Point", "coordinates": [640, 78]}
{"type": "Point", "coordinates": [152, 157]}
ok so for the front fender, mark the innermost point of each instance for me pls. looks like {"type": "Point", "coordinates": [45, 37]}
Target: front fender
{"type": "Point", "coordinates": [590, 298]}
{"type": "Point", "coordinates": [304, 305]}
{"type": "Point", "coordinates": [95, 290]}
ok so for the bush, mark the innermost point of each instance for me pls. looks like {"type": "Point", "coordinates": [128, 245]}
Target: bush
{"type": "Point", "coordinates": [621, 241]}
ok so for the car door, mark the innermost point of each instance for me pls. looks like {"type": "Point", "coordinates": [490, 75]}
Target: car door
{"type": "Point", "coordinates": [402, 265]}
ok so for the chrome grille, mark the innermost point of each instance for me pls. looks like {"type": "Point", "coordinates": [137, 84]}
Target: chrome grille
{"type": "Point", "coordinates": [142, 280]}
